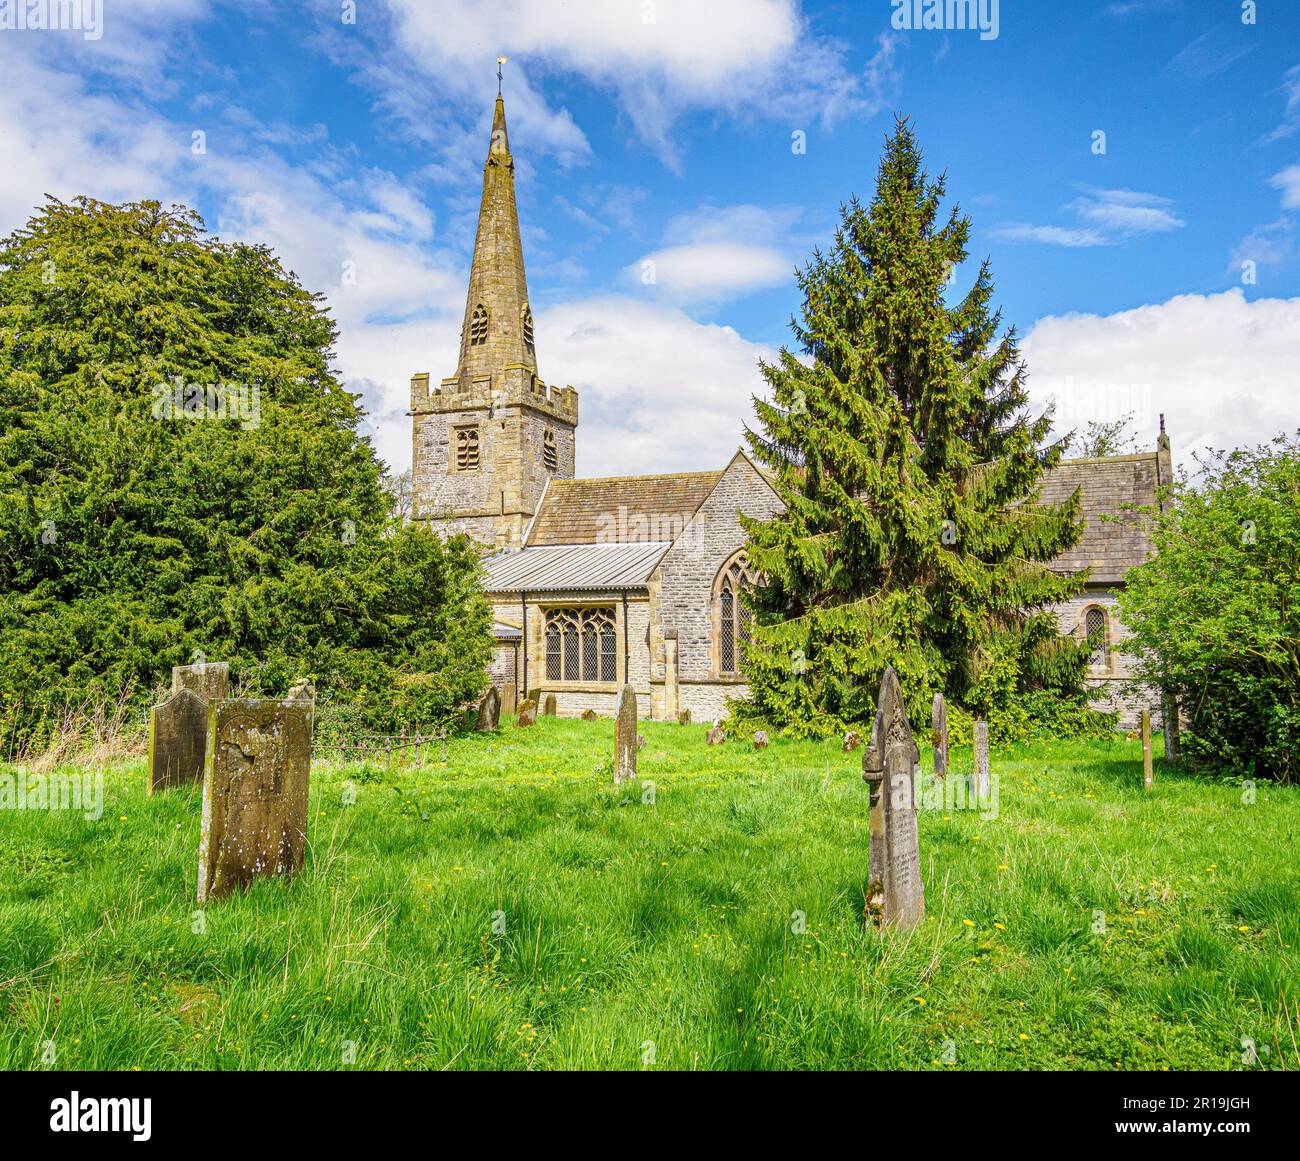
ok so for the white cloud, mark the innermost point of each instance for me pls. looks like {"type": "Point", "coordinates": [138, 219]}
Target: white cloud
{"type": "Point", "coordinates": [1221, 369]}
{"type": "Point", "coordinates": [1108, 216]}
{"type": "Point", "coordinates": [1049, 235]}
{"type": "Point", "coordinates": [1288, 181]}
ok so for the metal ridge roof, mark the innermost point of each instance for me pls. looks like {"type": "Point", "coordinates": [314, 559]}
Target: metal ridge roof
{"type": "Point", "coordinates": [555, 567]}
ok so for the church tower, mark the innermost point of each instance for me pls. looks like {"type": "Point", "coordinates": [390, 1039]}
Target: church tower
{"type": "Point", "coordinates": [487, 439]}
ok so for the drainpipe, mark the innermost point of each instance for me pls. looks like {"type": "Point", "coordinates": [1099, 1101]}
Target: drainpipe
{"type": "Point", "coordinates": [627, 657]}
{"type": "Point", "coordinates": [523, 607]}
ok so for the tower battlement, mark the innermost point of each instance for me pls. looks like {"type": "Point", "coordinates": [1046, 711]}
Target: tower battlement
{"type": "Point", "coordinates": [515, 386]}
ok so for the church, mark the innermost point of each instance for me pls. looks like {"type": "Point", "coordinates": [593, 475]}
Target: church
{"type": "Point", "coordinates": [637, 579]}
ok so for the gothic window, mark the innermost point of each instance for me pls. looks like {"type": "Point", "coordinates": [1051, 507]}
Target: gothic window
{"type": "Point", "coordinates": [733, 617]}
{"type": "Point", "coordinates": [527, 317]}
{"type": "Point", "coordinates": [549, 457]}
{"type": "Point", "coordinates": [1095, 631]}
{"type": "Point", "coordinates": [478, 326]}
{"type": "Point", "coordinates": [467, 449]}
{"type": "Point", "coordinates": [581, 645]}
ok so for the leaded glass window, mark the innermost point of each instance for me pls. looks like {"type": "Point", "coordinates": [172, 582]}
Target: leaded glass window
{"type": "Point", "coordinates": [581, 645]}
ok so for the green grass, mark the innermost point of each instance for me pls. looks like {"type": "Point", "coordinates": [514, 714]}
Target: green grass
{"type": "Point", "coordinates": [635, 930]}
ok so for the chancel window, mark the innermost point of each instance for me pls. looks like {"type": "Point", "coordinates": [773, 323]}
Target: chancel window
{"type": "Point", "coordinates": [733, 616]}
{"type": "Point", "coordinates": [467, 449]}
{"type": "Point", "coordinates": [526, 316]}
{"type": "Point", "coordinates": [581, 645]}
{"type": "Point", "coordinates": [549, 455]}
{"type": "Point", "coordinates": [1095, 631]}
{"type": "Point", "coordinates": [478, 326]}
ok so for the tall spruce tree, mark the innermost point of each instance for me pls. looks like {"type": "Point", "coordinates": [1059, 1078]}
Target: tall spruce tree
{"type": "Point", "coordinates": [910, 468]}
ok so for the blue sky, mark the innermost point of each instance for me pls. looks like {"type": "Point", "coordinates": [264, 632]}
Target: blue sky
{"type": "Point", "coordinates": [661, 131]}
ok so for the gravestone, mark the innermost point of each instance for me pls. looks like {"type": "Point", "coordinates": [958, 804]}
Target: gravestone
{"type": "Point", "coordinates": [895, 896]}
{"type": "Point", "coordinates": [852, 740]}
{"type": "Point", "coordinates": [178, 740]}
{"type": "Point", "coordinates": [489, 711]}
{"type": "Point", "coordinates": [1169, 722]}
{"type": "Point", "coordinates": [625, 737]}
{"type": "Point", "coordinates": [589, 715]}
{"type": "Point", "coordinates": [684, 718]}
{"type": "Point", "coordinates": [254, 792]}
{"type": "Point", "coordinates": [640, 741]}
{"type": "Point", "coordinates": [760, 739]}
{"type": "Point", "coordinates": [548, 706]}
{"type": "Point", "coordinates": [210, 680]}
{"type": "Point", "coordinates": [980, 780]}
{"type": "Point", "coordinates": [527, 715]}
{"type": "Point", "coordinates": [939, 735]}
{"type": "Point", "coordinates": [1148, 773]}
{"type": "Point", "coordinates": [716, 735]}
{"type": "Point", "coordinates": [509, 698]}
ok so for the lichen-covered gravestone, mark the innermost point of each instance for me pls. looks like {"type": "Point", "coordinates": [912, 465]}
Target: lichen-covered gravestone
{"type": "Point", "coordinates": [548, 705]}
{"type": "Point", "coordinates": [210, 680]}
{"type": "Point", "coordinates": [896, 896]}
{"type": "Point", "coordinates": [980, 782]}
{"type": "Point", "coordinates": [178, 740]}
{"type": "Point", "coordinates": [625, 737]}
{"type": "Point", "coordinates": [254, 792]}
{"type": "Point", "coordinates": [760, 739]}
{"type": "Point", "coordinates": [509, 698]}
{"type": "Point", "coordinates": [684, 718]}
{"type": "Point", "coordinates": [589, 715]}
{"type": "Point", "coordinates": [939, 735]}
{"type": "Point", "coordinates": [527, 715]}
{"type": "Point", "coordinates": [489, 711]}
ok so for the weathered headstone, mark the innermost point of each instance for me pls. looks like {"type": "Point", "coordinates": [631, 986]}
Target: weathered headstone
{"type": "Point", "coordinates": [852, 740]}
{"type": "Point", "coordinates": [548, 706]}
{"type": "Point", "coordinates": [589, 715]}
{"type": "Point", "coordinates": [684, 718]}
{"type": "Point", "coordinates": [939, 735]}
{"type": "Point", "coordinates": [716, 735]}
{"type": "Point", "coordinates": [896, 896]}
{"type": "Point", "coordinates": [980, 779]}
{"type": "Point", "coordinates": [210, 679]}
{"type": "Point", "coordinates": [254, 792]}
{"type": "Point", "coordinates": [509, 698]}
{"type": "Point", "coordinates": [1148, 773]}
{"type": "Point", "coordinates": [625, 737]}
{"type": "Point", "coordinates": [760, 739]}
{"type": "Point", "coordinates": [489, 711]}
{"type": "Point", "coordinates": [178, 740]}
{"type": "Point", "coordinates": [527, 714]}
{"type": "Point", "coordinates": [640, 741]}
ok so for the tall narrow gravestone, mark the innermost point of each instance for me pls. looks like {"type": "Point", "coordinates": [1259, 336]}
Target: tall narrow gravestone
{"type": "Point", "coordinates": [548, 706]}
{"type": "Point", "coordinates": [527, 715]}
{"type": "Point", "coordinates": [980, 783]}
{"type": "Point", "coordinates": [178, 741]}
{"type": "Point", "coordinates": [509, 698]}
{"type": "Point", "coordinates": [890, 765]}
{"type": "Point", "coordinates": [489, 711]}
{"type": "Point", "coordinates": [210, 680]}
{"type": "Point", "coordinates": [939, 735]}
{"type": "Point", "coordinates": [625, 737]}
{"type": "Point", "coordinates": [254, 793]}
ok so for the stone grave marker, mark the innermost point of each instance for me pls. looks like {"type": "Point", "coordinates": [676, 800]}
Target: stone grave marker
{"type": "Point", "coordinates": [625, 737]}
{"type": "Point", "coordinates": [684, 718]}
{"type": "Point", "coordinates": [939, 735]}
{"type": "Point", "coordinates": [852, 740]}
{"type": "Point", "coordinates": [896, 896]}
{"type": "Point", "coordinates": [980, 778]}
{"type": "Point", "coordinates": [509, 698]}
{"type": "Point", "coordinates": [254, 792]}
{"type": "Point", "coordinates": [527, 715]}
{"type": "Point", "coordinates": [489, 711]}
{"type": "Point", "coordinates": [1148, 772]}
{"type": "Point", "coordinates": [178, 740]}
{"type": "Point", "coordinates": [548, 706]}
{"type": "Point", "coordinates": [760, 739]}
{"type": "Point", "coordinates": [210, 680]}
{"type": "Point", "coordinates": [589, 715]}
{"type": "Point", "coordinates": [716, 735]}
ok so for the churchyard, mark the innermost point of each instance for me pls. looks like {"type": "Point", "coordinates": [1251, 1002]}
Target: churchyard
{"type": "Point", "coordinates": [543, 898]}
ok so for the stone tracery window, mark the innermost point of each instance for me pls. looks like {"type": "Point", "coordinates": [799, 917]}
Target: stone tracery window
{"type": "Point", "coordinates": [581, 645]}
{"type": "Point", "coordinates": [1096, 633]}
{"type": "Point", "coordinates": [478, 326]}
{"type": "Point", "coordinates": [735, 577]}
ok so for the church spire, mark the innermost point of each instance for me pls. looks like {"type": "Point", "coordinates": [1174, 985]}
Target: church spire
{"type": "Point", "coordinates": [498, 326]}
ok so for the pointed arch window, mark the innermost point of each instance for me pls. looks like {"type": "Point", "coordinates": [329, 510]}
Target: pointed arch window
{"type": "Point", "coordinates": [1096, 630]}
{"type": "Point", "coordinates": [733, 632]}
{"type": "Point", "coordinates": [550, 457]}
{"type": "Point", "coordinates": [581, 645]}
{"type": "Point", "coordinates": [467, 449]}
{"type": "Point", "coordinates": [526, 318]}
{"type": "Point", "coordinates": [478, 326]}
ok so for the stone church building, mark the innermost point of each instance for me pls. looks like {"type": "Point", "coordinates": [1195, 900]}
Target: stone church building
{"type": "Point", "coordinates": [637, 579]}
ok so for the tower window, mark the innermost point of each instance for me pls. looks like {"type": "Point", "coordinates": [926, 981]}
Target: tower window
{"type": "Point", "coordinates": [527, 316]}
{"type": "Point", "coordinates": [581, 645]}
{"type": "Point", "coordinates": [467, 448]}
{"type": "Point", "coordinates": [549, 455]}
{"type": "Point", "coordinates": [733, 616]}
{"type": "Point", "coordinates": [478, 326]}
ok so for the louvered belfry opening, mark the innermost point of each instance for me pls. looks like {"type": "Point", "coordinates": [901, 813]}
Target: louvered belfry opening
{"type": "Point", "coordinates": [478, 326]}
{"type": "Point", "coordinates": [467, 449]}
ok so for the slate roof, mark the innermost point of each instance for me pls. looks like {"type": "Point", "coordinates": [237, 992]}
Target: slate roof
{"type": "Point", "coordinates": [567, 567]}
{"type": "Point", "coordinates": [505, 632]}
{"type": "Point", "coordinates": [1110, 547]}
{"type": "Point", "coordinates": [620, 508]}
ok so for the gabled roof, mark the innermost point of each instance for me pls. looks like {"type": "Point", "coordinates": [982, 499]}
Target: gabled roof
{"type": "Point", "coordinates": [569, 567]}
{"type": "Point", "coordinates": [1110, 547]}
{"type": "Point", "coordinates": [619, 508]}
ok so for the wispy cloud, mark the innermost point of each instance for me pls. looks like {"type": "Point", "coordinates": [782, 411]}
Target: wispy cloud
{"type": "Point", "coordinates": [1291, 114]}
{"type": "Point", "coordinates": [1105, 217]}
{"type": "Point", "coordinates": [1206, 57]}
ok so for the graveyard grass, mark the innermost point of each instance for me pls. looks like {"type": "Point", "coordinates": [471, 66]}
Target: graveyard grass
{"type": "Point", "coordinates": [662, 934]}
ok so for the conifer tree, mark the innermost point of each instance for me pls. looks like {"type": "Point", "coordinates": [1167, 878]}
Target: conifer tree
{"type": "Point", "coordinates": [902, 446]}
